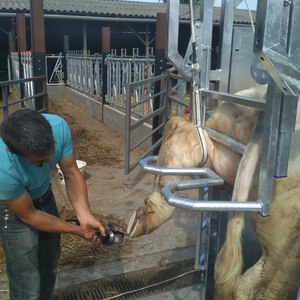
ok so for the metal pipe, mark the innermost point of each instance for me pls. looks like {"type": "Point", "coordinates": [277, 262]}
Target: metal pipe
{"type": "Point", "coordinates": [225, 140]}
{"type": "Point", "coordinates": [201, 205]}
{"type": "Point", "coordinates": [147, 165]}
{"type": "Point", "coordinates": [211, 179]}
{"type": "Point", "coordinates": [251, 102]}
{"type": "Point", "coordinates": [91, 18]}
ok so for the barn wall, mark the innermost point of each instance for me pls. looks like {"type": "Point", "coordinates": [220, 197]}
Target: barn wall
{"type": "Point", "coordinates": [112, 117]}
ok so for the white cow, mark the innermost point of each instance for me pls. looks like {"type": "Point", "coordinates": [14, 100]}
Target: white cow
{"type": "Point", "coordinates": [276, 276]}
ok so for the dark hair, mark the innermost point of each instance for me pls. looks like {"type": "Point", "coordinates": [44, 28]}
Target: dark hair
{"type": "Point", "coordinates": [26, 132]}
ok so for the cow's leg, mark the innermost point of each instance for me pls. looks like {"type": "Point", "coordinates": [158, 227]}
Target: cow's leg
{"type": "Point", "coordinates": [180, 149]}
{"type": "Point", "coordinates": [276, 276]}
{"type": "Point", "coordinates": [230, 261]}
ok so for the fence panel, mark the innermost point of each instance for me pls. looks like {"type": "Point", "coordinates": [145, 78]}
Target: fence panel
{"type": "Point", "coordinates": [22, 62]}
{"type": "Point", "coordinates": [85, 72]}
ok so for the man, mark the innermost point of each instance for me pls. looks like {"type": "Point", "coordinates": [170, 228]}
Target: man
{"type": "Point", "coordinates": [30, 146]}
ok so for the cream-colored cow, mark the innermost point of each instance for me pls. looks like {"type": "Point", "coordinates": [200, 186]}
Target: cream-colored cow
{"type": "Point", "coordinates": [276, 276]}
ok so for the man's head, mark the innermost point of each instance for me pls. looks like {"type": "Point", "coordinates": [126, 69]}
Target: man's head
{"type": "Point", "coordinates": [28, 134]}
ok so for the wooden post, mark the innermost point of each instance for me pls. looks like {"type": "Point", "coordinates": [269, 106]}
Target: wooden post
{"type": "Point", "coordinates": [38, 51]}
{"type": "Point", "coordinates": [21, 32]}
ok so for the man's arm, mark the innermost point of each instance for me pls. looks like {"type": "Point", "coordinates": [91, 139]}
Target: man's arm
{"type": "Point", "coordinates": [23, 208]}
{"type": "Point", "coordinates": [78, 195]}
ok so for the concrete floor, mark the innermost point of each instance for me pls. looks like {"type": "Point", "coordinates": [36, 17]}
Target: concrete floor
{"type": "Point", "coordinates": [175, 241]}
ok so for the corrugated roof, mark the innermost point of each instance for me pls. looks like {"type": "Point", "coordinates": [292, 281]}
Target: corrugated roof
{"type": "Point", "coordinates": [107, 8]}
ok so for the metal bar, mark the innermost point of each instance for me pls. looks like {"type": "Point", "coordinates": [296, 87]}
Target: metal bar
{"type": "Point", "coordinates": [91, 18]}
{"type": "Point", "coordinates": [277, 47]}
{"type": "Point", "coordinates": [226, 23]}
{"type": "Point", "coordinates": [12, 82]}
{"type": "Point", "coordinates": [146, 137]}
{"type": "Point", "coordinates": [136, 162]}
{"type": "Point", "coordinates": [5, 102]}
{"type": "Point", "coordinates": [201, 205]}
{"type": "Point", "coordinates": [286, 127]}
{"type": "Point", "coordinates": [147, 165]}
{"type": "Point", "coordinates": [225, 140]}
{"type": "Point", "coordinates": [146, 118]}
{"type": "Point", "coordinates": [251, 102]}
{"type": "Point", "coordinates": [172, 38]}
{"type": "Point", "coordinates": [174, 99]}
{"type": "Point", "coordinates": [269, 142]}
{"type": "Point", "coordinates": [22, 100]}
{"type": "Point", "coordinates": [129, 127]}
{"type": "Point", "coordinates": [199, 235]}
{"type": "Point", "coordinates": [146, 81]}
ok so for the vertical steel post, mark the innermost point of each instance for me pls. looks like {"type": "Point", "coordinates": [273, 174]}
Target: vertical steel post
{"type": "Point", "coordinates": [84, 38]}
{"type": "Point", "coordinates": [226, 26]}
{"type": "Point", "coordinates": [65, 65]}
{"type": "Point", "coordinates": [12, 36]}
{"type": "Point", "coordinates": [21, 45]}
{"type": "Point", "coordinates": [160, 67]}
{"type": "Point", "coordinates": [105, 52]}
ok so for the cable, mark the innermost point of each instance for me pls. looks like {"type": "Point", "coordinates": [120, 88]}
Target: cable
{"type": "Point", "coordinates": [151, 285]}
{"type": "Point", "coordinates": [251, 18]}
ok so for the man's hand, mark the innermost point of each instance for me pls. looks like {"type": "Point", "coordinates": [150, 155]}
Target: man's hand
{"type": "Point", "coordinates": [90, 226]}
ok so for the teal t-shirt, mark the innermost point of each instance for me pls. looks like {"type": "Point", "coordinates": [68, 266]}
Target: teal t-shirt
{"type": "Point", "coordinates": [18, 175]}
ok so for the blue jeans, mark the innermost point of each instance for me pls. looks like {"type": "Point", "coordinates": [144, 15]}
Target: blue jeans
{"type": "Point", "coordinates": [31, 255]}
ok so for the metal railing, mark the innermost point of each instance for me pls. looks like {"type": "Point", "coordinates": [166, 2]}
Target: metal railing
{"type": "Point", "coordinates": [170, 100]}
{"type": "Point", "coordinates": [122, 70]}
{"type": "Point", "coordinates": [55, 69]}
{"type": "Point", "coordinates": [85, 73]}
{"type": "Point", "coordinates": [14, 100]}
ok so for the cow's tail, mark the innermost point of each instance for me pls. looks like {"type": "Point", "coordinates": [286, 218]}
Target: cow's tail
{"type": "Point", "coordinates": [229, 262]}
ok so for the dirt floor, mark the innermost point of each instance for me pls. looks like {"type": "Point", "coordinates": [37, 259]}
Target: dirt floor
{"type": "Point", "coordinates": [100, 147]}
{"type": "Point", "coordinates": [114, 196]}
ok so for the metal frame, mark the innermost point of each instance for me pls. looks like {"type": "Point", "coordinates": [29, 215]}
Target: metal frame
{"type": "Point", "coordinates": [274, 162]}
{"type": "Point", "coordinates": [5, 85]}
{"type": "Point", "coordinates": [277, 42]}
{"type": "Point", "coordinates": [132, 121]}
{"type": "Point", "coordinates": [278, 51]}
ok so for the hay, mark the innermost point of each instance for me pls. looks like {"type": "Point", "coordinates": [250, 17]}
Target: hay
{"type": "Point", "coordinates": [81, 252]}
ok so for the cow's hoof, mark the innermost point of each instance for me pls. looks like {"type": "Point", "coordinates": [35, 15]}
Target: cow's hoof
{"type": "Point", "coordinates": [137, 225]}
{"type": "Point", "coordinates": [148, 218]}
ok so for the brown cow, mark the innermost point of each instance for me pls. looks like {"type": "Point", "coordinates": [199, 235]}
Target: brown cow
{"type": "Point", "coordinates": [276, 276]}
{"type": "Point", "coordinates": [181, 149]}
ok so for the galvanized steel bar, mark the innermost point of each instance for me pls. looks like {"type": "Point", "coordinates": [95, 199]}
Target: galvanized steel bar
{"type": "Point", "coordinates": [269, 144]}
{"type": "Point", "coordinates": [147, 165]}
{"type": "Point", "coordinates": [225, 140]}
{"type": "Point", "coordinates": [201, 205]}
{"type": "Point", "coordinates": [210, 178]}
{"type": "Point", "coordinates": [222, 96]}
{"type": "Point", "coordinates": [277, 47]}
